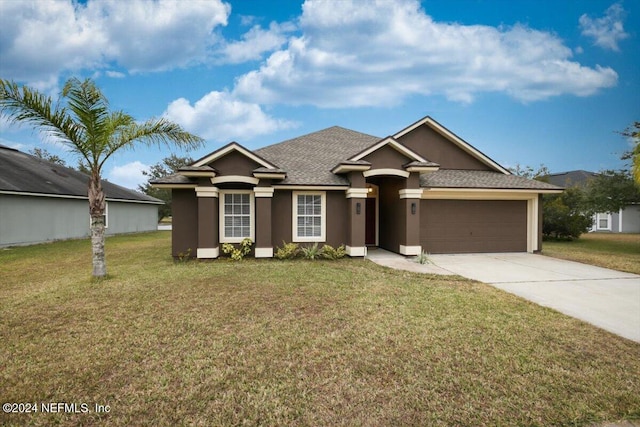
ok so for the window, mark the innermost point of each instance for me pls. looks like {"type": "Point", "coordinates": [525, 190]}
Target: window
{"type": "Point", "coordinates": [236, 216]}
{"type": "Point", "coordinates": [105, 216]}
{"type": "Point", "coordinates": [603, 221]}
{"type": "Point", "coordinates": [309, 217]}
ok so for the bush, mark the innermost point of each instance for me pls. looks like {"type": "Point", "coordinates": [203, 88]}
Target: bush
{"type": "Point", "coordinates": [311, 252]}
{"type": "Point", "coordinates": [288, 251]}
{"type": "Point", "coordinates": [238, 253]}
{"type": "Point", "coordinates": [423, 258]}
{"type": "Point", "coordinates": [329, 252]}
{"type": "Point", "coordinates": [565, 215]}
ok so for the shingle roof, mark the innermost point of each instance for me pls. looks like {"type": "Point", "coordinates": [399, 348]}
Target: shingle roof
{"type": "Point", "coordinates": [308, 159]}
{"type": "Point", "coordinates": [456, 178]}
{"type": "Point", "coordinates": [24, 173]}
{"type": "Point", "coordinates": [577, 178]}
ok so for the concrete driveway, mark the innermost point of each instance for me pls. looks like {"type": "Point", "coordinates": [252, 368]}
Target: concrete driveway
{"type": "Point", "coordinates": [606, 298]}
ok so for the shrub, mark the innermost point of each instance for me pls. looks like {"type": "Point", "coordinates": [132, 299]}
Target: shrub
{"type": "Point", "coordinates": [423, 258]}
{"type": "Point", "coordinates": [288, 251]}
{"type": "Point", "coordinates": [238, 253]}
{"type": "Point", "coordinates": [184, 257]}
{"type": "Point", "coordinates": [565, 215]}
{"type": "Point", "coordinates": [311, 252]}
{"type": "Point", "coordinates": [329, 252]}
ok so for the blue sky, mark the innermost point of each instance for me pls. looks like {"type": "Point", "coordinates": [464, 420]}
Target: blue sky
{"type": "Point", "coordinates": [526, 82]}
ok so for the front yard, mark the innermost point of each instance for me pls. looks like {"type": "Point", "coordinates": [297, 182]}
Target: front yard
{"type": "Point", "coordinates": [291, 343]}
{"type": "Point", "coordinates": [618, 251]}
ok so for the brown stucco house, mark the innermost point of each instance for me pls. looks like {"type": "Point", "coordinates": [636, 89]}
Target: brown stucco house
{"type": "Point", "coordinates": [421, 189]}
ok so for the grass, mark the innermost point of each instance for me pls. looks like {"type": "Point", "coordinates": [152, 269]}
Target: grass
{"type": "Point", "coordinates": [266, 342]}
{"type": "Point", "coordinates": [610, 250]}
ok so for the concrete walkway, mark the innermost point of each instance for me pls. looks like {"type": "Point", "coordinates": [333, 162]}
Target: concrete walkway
{"type": "Point", "coordinates": [605, 298]}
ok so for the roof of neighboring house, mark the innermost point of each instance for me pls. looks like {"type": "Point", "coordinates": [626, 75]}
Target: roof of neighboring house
{"type": "Point", "coordinates": [24, 173]}
{"type": "Point", "coordinates": [454, 178]}
{"type": "Point", "coordinates": [577, 178]}
{"type": "Point", "coordinates": [308, 159]}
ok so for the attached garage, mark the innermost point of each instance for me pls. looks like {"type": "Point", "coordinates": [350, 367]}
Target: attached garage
{"type": "Point", "coordinates": [467, 226]}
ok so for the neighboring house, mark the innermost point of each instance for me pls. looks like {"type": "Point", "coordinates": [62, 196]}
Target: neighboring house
{"type": "Point", "coordinates": [42, 201]}
{"type": "Point", "coordinates": [627, 220]}
{"type": "Point", "coordinates": [421, 189]}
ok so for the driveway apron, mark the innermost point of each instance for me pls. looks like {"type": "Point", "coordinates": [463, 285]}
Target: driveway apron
{"type": "Point", "coordinates": [606, 298]}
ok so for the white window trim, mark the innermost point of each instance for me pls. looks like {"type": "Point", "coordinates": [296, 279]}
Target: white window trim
{"type": "Point", "coordinates": [252, 216]}
{"type": "Point", "coordinates": [606, 216]}
{"type": "Point", "coordinates": [323, 213]}
{"type": "Point", "coordinates": [106, 216]}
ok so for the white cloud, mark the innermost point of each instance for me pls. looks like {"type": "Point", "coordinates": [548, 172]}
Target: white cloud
{"type": "Point", "coordinates": [129, 175]}
{"type": "Point", "coordinates": [256, 42]}
{"type": "Point", "coordinates": [606, 31]}
{"type": "Point", "coordinates": [356, 53]}
{"type": "Point", "coordinates": [220, 117]}
{"type": "Point", "coordinates": [115, 74]}
{"type": "Point", "coordinates": [41, 39]}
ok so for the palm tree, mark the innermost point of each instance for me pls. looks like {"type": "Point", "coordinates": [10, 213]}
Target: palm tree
{"type": "Point", "coordinates": [81, 120]}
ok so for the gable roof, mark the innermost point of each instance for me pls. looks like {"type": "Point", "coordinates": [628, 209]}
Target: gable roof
{"type": "Point", "coordinates": [22, 173]}
{"type": "Point", "coordinates": [233, 146]}
{"type": "Point", "coordinates": [308, 159]}
{"type": "Point", "coordinates": [575, 178]}
{"type": "Point", "coordinates": [319, 158]}
{"type": "Point", "coordinates": [461, 143]}
{"type": "Point", "coordinates": [390, 142]}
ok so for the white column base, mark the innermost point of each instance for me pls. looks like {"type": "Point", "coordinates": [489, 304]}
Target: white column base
{"type": "Point", "coordinates": [356, 250]}
{"type": "Point", "coordinates": [264, 252]}
{"type": "Point", "coordinates": [410, 250]}
{"type": "Point", "coordinates": [208, 253]}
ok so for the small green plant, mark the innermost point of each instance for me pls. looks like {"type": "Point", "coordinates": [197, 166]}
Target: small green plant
{"type": "Point", "coordinates": [238, 253]}
{"type": "Point", "coordinates": [329, 252]}
{"type": "Point", "coordinates": [184, 257]}
{"type": "Point", "coordinates": [311, 252]}
{"type": "Point", "coordinates": [288, 251]}
{"type": "Point", "coordinates": [423, 258]}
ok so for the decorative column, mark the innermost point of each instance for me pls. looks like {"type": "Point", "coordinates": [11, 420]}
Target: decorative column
{"type": "Point", "coordinates": [410, 241]}
{"type": "Point", "coordinates": [357, 198]}
{"type": "Point", "coordinates": [264, 245]}
{"type": "Point", "coordinates": [208, 239]}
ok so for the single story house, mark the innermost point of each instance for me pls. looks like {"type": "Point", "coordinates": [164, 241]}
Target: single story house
{"type": "Point", "coordinates": [626, 220]}
{"type": "Point", "coordinates": [42, 201]}
{"type": "Point", "coordinates": [421, 189]}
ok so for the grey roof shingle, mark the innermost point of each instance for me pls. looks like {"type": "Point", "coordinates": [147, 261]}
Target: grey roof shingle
{"type": "Point", "coordinates": [24, 173]}
{"type": "Point", "coordinates": [308, 159]}
{"type": "Point", "coordinates": [457, 178]}
{"type": "Point", "coordinates": [577, 178]}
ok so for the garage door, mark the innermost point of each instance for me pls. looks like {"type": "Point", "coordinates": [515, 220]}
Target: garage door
{"type": "Point", "coordinates": [467, 226]}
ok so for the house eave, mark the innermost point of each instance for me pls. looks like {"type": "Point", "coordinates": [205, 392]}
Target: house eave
{"type": "Point", "coordinates": [268, 175]}
{"type": "Point", "coordinates": [197, 174]}
{"type": "Point", "coordinates": [174, 186]}
{"type": "Point", "coordinates": [76, 197]}
{"type": "Point", "coordinates": [342, 168]}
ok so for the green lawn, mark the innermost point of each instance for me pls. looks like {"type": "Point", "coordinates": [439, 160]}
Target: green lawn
{"type": "Point", "coordinates": [263, 342]}
{"type": "Point", "coordinates": [611, 250]}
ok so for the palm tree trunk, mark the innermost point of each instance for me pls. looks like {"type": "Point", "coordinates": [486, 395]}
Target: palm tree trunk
{"type": "Point", "coordinates": [96, 210]}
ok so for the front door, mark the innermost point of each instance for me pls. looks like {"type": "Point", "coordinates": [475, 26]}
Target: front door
{"type": "Point", "coordinates": [370, 220]}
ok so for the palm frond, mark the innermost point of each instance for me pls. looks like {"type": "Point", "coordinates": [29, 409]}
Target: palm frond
{"type": "Point", "coordinates": [21, 104]}
{"type": "Point", "coordinates": [91, 110]}
{"type": "Point", "coordinates": [151, 132]}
